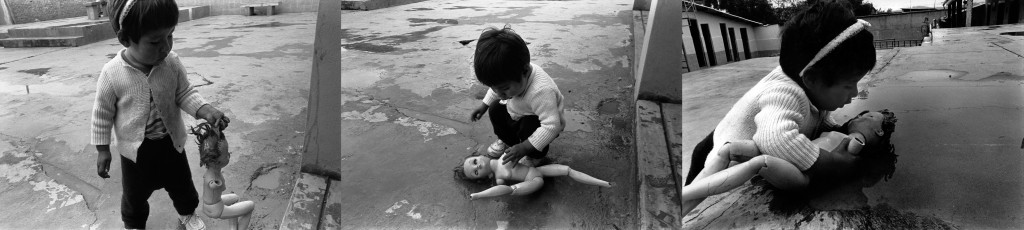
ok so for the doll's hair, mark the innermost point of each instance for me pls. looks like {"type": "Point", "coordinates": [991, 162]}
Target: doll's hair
{"type": "Point", "coordinates": [501, 56]}
{"type": "Point", "coordinates": [141, 17]}
{"type": "Point", "coordinates": [808, 32]}
{"type": "Point", "coordinates": [208, 138]}
{"type": "Point", "coordinates": [461, 174]}
{"type": "Point", "coordinates": [879, 160]}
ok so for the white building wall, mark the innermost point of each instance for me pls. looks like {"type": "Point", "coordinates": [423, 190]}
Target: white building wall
{"type": "Point", "coordinates": [714, 27]}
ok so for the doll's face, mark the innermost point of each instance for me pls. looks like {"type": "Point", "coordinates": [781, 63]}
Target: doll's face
{"type": "Point", "coordinates": [868, 124]}
{"type": "Point", "coordinates": [477, 167]}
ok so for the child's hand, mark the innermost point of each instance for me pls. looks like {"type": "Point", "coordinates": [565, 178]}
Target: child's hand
{"type": "Point", "coordinates": [212, 115]}
{"type": "Point", "coordinates": [478, 112]}
{"type": "Point", "coordinates": [516, 152]}
{"type": "Point", "coordinates": [103, 163]}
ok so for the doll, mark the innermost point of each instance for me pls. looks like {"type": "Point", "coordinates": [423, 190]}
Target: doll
{"type": "Point", "coordinates": [868, 134]}
{"type": "Point", "coordinates": [481, 167]}
{"type": "Point", "coordinates": [213, 152]}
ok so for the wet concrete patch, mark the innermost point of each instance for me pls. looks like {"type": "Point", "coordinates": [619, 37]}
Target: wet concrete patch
{"type": "Point", "coordinates": [439, 20]}
{"type": "Point", "coordinates": [269, 180]}
{"type": "Point", "coordinates": [265, 25]}
{"type": "Point", "coordinates": [932, 75]}
{"type": "Point", "coordinates": [1016, 33]}
{"type": "Point", "coordinates": [419, 9]}
{"type": "Point", "coordinates": [370, 47]}
{"type": "Point", "coordinates": [208, 49]}
{"type": "Point", "coordinates": [476, 8]}
{"type": "Point", "coordinates": [37, 71]}
{"type": "Point", "coordinates": [608, 106]}
{"type": "Point", "coordinates": [111, 56]}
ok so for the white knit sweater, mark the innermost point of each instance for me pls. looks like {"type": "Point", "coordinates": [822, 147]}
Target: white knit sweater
{"type": "Point", "coordinates": [542, 98]}
{"type": "Point", "coordinates": [122, 103]}
{"type": "Point", "coordinates": [779, 117]}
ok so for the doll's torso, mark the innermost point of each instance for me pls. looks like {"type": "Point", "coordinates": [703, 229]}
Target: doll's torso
{"type": "Point", "coordinates": [213, 187]}
{"type": "Point", "coordinates": [507, 172]}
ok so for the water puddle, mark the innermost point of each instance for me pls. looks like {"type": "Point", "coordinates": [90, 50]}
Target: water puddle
{"type": "Point", "coordinates": [1016, 33]}
{"type": "Point", "coordinates": [577, 121]}
{"type": "Point", "coordinates": [37, 71]}
{"type": "Point", "coordinates": [932, 75]}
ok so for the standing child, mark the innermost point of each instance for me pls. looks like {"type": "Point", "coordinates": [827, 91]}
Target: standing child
{"type": "Point", "coordinates": [825, 51]}
{"type": "Point", "coordinates": [139, 96]}
{"type": "Point", "coordinates": [524, 103]}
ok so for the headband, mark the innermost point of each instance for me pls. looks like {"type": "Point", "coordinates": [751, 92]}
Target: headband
{"type": "Point", "coordinates": [124, 12]}
{"type": "Point", "coordinates": [846, 34]}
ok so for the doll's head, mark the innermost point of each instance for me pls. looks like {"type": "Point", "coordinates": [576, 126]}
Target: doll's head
{"type": "Point", "coordinates": [876, 126]}
{"type": "Point", "coordinates": [878, 158]}
{"type": "Point", "coordinates": [474, 168]}
{"type": "Point", "coordinates": [213, 147]}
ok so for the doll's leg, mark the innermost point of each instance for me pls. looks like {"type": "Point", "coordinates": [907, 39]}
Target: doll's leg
{"type": "Point", "coordinates": [724, 180]}
{"type": "Point", "coordinates": [239, 213]}
{"type": "Point", "coordinates": [716, 161]}
{"type": "Point", "coordinates": [563, 170]}
{"type": "Point", "coordinates": [229, 199]}
{"type": "Point", "coordinates": [740, 151]}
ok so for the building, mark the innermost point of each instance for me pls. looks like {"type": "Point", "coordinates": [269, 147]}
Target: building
{"type": "Point", "coordinates": [712, 37]}
{"type": "Point", "coordinates": [902, 29]}
{"type": "Point", "coordinates": [982, 13]}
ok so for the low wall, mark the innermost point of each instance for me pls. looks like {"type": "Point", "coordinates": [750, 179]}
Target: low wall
{"type": "Point", "coordinates": [26, 11]}
{"type": "Point", "coordinates": [228, 7]}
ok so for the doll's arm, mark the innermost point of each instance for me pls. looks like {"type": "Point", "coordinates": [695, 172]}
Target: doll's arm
{"type": "Point", "coordinates": [499, 190]}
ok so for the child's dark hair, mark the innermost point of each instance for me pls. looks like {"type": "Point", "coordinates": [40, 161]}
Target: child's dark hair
{"type": "Point", "coordinates": [808, 32]}
{"type": "Point", "coordinates": [143, 17]}
{"type": "Point", "coordinates": [461, 174]}
{"type": "Point", "coordinates": [879, 160]}
{"type": "Point", "coordinates": [501, 56]}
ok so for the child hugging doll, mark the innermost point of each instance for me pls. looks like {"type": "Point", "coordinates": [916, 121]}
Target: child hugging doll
{"type": "Point", "coordinates": [478, 168]}
{"type": "Point", "coordinates": [870, 133]}
{"type": "Point", "coordinates": [140, 94]}
{"type": "Point", "coordinates": [213, 153]}
{"type": "Point", "coordinates": [824, 52]}
{"type": "Point", "coordinates": [524, 103]}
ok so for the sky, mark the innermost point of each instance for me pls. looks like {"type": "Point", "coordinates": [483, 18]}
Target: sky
{"type": "Point", "coordinates": [897, 4]}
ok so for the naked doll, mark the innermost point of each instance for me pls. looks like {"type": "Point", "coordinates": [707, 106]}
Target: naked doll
{"type": "Point", "coordinates": [213, 152]}
{"type": "Point", "coordinates": [481, 167]}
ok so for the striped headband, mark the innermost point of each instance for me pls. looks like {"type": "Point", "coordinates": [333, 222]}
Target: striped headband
{"type": "Point", "coordinates": [846, 34]}
{"type": "Point", "coordinates": [124, 12]}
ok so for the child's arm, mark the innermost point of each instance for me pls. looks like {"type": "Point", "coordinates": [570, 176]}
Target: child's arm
{"type": "Point", "coordinates": [104, 111]}
{"type": "Point", "coordinates": [185, 95]}
{"type": "Point", "coordinates": [778, 131]}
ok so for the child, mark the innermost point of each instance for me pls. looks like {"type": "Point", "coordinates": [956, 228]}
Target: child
{"type": "Point", "coordinates": [140, 93]}
{"type": "Point", "coordinates": [213, 153]}
{"type": "Point", "coordinates": [529, 114]}
{"type": "Point", "coordinates": [825, 51]}
{"type": "Point", "coordinates": [480, 167]}
{"type": "Point", "coordinates": [869, 130]}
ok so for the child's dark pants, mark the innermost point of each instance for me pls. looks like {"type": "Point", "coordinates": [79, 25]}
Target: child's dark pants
{"type": "Point", "coordinates": [700, 154]}
{"type": "Point", "coordinates": [157, 165]}
{"type": "Point", "coordinates": [513, 132]}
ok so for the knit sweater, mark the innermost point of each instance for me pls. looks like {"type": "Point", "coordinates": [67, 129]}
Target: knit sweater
{"type": "Point", "coordinates": [541, 98]}
{"type": "Point", "coordinates": [122, 103]}
{"type": "Point", "coordinates": [779, 117]}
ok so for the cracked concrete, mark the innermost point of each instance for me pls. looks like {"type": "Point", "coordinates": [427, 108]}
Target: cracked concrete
{"type": "Point", "coordinates": [408, 88]}
{"type": "Point", "coordinates": [255, 69]}
{"type": "Point", "coordinates": [958, 102]}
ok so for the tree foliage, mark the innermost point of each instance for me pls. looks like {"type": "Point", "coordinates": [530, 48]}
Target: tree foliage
{"type": "Point", "coordinates": [779, 11]}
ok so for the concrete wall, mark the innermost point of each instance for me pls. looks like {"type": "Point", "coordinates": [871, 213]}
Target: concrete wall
{"type": "Point", "coordinates": [25, 11]}
{"type": "Point", "coordinates": [713, 22]}
{"type": "Point", "coordinates": [768, 40]}
{"type": "Point", "coordinates": [906, 26]}
{"type": "Point", "coordinates": [222, 7]}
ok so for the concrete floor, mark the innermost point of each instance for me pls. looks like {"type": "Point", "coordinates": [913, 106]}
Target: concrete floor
{"type": "Point", "coordinates": [959, 103]}
{"type": "Point", "coordinates": [255, 69]}
{"type": "Point", "coordinates": [408, 88]}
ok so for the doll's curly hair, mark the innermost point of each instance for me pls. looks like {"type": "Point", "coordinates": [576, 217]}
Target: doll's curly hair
{"type": "Point", "coordinates": [879, 161]}
{"type": "Point", "coordinates": [209, 139]}
{"type": "Point", "coordinates": [461, 174]}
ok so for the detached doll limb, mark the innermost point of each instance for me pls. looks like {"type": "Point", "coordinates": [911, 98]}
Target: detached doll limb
{"type": "Point", "coordinates": [778, 172]}
{"type": "Point", "coordinates": [717, 162]}
{"type": "Point", "coordinates": [553, 170]}
{"type": "Point", "coordinates": [533, 182]}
